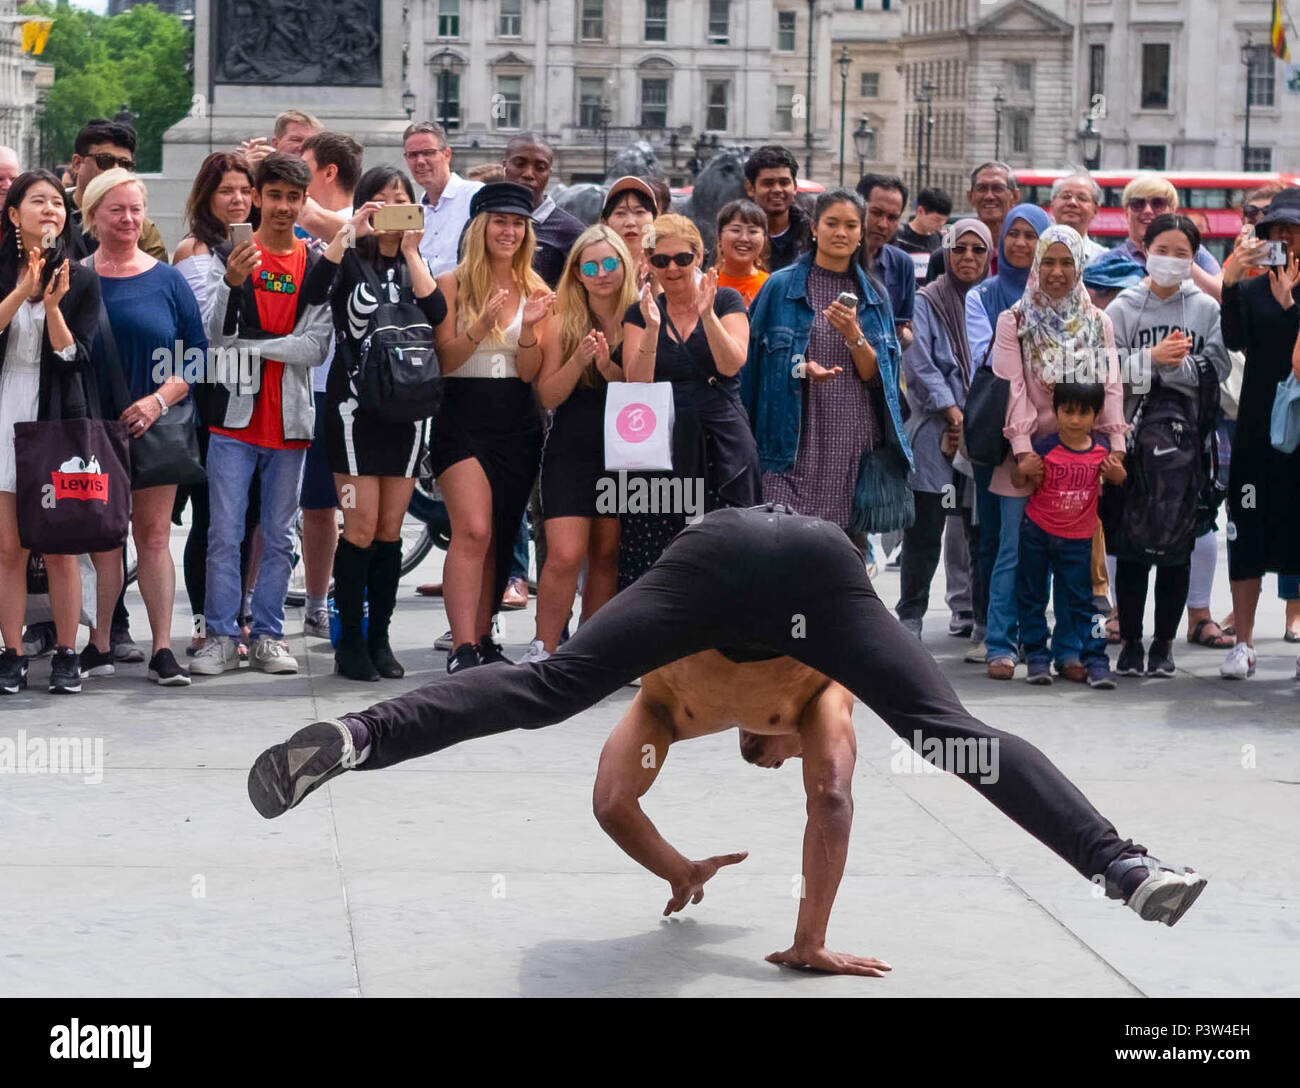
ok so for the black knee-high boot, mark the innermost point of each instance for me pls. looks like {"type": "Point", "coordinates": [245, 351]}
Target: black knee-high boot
{"type": "Point", "coordinates": [351, 573]}
{"type": "Point", "coordinates": [385, 573]}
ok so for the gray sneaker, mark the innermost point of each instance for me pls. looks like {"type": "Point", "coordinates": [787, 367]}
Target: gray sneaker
{"type": "Point", "coordinates": [124, 647]}
{"type": "Point", "coordinates": [220, 653]}
{"type": "Point", "coordinates": [272, 655]}
{"type": "Point", "coordinates": [317, 624]}
{"type": "Point", "coordinates": [285, 773]}
{"type": "Point", "coordinates": [443, 642]}
{"type": "Point", "coordinates": [913, 624]}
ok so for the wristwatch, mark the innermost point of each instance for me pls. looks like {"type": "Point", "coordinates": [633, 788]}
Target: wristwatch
{"type": "Point", "coordinates": [859, 342]}
{"type": "Point", "coordinates": [162, 404]}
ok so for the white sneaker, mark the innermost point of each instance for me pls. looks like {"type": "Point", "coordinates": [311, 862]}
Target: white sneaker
{"type": "Point", "coordinates": [535, 653]}
{"type": "Point", "coordinates": [220, 653]}
{"type": "Point", "coordinates": [272, 655]}
{"type": "Point", "coordinates": [1239, 664]}
{"type": "Point", "coordinates": [443, 642]}
{"type": "Point", "coordinates": [1297, 668]}
{"type": "Point", "coordinates": [977, 654]}
{"type": "Point", "coordinates": [317, 624]}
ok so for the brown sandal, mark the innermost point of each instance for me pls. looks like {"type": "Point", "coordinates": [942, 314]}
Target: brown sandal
{"type": "Point", "coordinates": [1199, 636]}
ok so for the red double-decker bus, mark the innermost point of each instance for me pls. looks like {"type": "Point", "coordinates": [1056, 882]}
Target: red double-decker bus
{"type": "Point", "coordinates": [1212, 199]}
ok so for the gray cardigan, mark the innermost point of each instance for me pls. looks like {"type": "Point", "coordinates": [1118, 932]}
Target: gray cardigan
{"type": "Point", "coordinates": [934, 383]}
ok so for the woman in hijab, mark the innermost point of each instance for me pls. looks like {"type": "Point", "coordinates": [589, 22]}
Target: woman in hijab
{"type": "Point", "coordinates": [1054, 333]}
{"type": "Point", "coordinates": [1020, 231]}
{"type": "Point", "coordinates": [937, 371]}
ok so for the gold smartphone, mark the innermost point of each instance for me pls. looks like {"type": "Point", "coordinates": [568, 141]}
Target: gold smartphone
{"type": "Point", "coordinates": [240, 233]}
{"type": "Point", "coordinates": [398, 217]}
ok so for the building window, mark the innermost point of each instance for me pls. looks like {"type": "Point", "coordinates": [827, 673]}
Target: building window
{"type": "Point", "coordinates": [591, 94]}
{"type": "Point", "coordinates": [870, 84]}
{"type": "Point", "coordinates": [784, 107]}
{"type": "Point", "coordinates": [449, 18]}
{"type": "Point", "coordinates": [1020, 132]}
{"type": "Point", "coordinates": [719, 22]}
{"type": "Point", "coordinates": [1096, 71]}
{"type": "Point", "coordinates": [1259, 158]}
{"type": "Point", "coordinates": [717, 94]}
{"type": "Point", "coordinates": [448, 104]}
{"type": "Point", "coordinates": [511, 18]}
{"type": "Point", "coordinates": [654, 103]}
{"type": "Point", "coordinates": [509, 107]}
{"type": "Point", "coordinates": [1155, 76]}
{"type": "Point", "coordinates": [1022, 76]}
{"type": "Point", "coordinates": [656, 20]}
{"type": "Point", "coordinates": [1259, 76]}
{"type": "Point", "coordinates": [785, 39]}
{"type": "Point", "coordinates": [1151, 156]}
{"type": "Point", "coordinates": [593, 20]}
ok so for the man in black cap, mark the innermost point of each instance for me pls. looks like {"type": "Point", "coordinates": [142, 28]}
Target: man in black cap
{"type": "Point", "coordinates": [528, 162]}
{"type": "Point", "coordinates": [716, 655]}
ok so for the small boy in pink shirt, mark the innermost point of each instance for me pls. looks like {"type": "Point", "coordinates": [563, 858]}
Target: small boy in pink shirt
{"type": "Point", "coordinates": [1056, 535]}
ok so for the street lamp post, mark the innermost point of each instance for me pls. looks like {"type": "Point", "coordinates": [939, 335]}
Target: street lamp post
{"type": "Point", "coordinates": [408, 103]}
{"type": "Point", "coordinates": [998, 99]}
{"type": "Point", "coordinates": [605, 115]}
{"type": "Point", "coordinates": [929, 89]}
{"type": "Point", "coordinates": [862, 144]}
{"type": "Point", "coordinates": [672, 147]}
{"type": "Point", "coordinates": [808, 98]}
{"type": "Point", "coordinates": [1090, 145]}
{"type": "Point", "coordinates": [126, 116]}
{"type": "Point", "coordinates": [844, 62]}
{"type": "Point", "coordinates": [1246, 51]}
{"type": "Point", "coordinates": [923, 123]}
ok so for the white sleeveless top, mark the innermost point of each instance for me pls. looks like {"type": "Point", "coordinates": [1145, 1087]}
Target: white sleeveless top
{"type": "Point", "coordinates": [495, 360]}
{"type": "Point", "coordinates": [195, 270]}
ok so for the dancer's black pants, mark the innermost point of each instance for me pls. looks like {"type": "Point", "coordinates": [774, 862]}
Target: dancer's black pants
{"type": "Point", "coordinates": [738, 581]}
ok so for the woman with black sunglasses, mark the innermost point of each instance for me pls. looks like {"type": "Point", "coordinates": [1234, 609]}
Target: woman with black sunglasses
{"type": "Point", "coordinates": [694, 334]}
{"type": "Point", "coordinates": [1146, 196]}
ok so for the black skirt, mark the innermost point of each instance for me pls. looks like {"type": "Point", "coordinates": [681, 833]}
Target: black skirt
{"type": "Point", "coordinates": [573, 458]}
{"type": "Point", "coordinates": [494, 421]}
{"type": "Point", "coordinates": [361, 445]}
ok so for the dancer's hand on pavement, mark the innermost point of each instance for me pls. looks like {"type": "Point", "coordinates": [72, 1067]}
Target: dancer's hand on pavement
{"type": "Point", "coordinates": [822, 958]}
{"type": "Point", "coordinates": [691, 889]}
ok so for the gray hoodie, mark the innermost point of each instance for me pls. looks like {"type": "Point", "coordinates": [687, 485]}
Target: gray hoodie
{"type": "Point", "coordinates": [1142, 320]}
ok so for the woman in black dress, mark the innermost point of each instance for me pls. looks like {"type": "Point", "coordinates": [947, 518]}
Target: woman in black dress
{"type": "Point", "coordinates": [374, 461]}
{"type": "Point", "coordinates": [695, 334]}
{"type": "Point", "coordinates": [487, 441]}
{"type": "Point", "coordinates": [597, 285]}
{"type": "Point", "coordinates": [1261, 316]}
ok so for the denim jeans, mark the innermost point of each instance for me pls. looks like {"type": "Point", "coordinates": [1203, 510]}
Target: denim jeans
{"type": "Point", "coordinates": [232, 464]}
{"type": "Point", "coordinates": [1003, 629]}
{"type": "Point", "coordinates": [519, 557]}
{"type": "Point", "coordinates": [1065, 566]}
{"type": "Point", "coordinates": [1288, 587]}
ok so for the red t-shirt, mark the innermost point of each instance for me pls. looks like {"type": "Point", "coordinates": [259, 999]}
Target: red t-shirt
{"type": "Point", "coordinates": [275, 287]}
{"type": "Point", "coordinates": [1065, 504]}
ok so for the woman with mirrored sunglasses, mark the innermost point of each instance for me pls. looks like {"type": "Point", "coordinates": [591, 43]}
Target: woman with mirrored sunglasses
{"type": "Point", "coordinates": [1146, 196]}
{"type": "Point", "coordinates": [595, 288]}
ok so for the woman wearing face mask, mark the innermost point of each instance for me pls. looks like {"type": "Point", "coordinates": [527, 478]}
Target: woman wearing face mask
{"type": "Point", "coordinates": [984, 303]}
{"type": "Point", "coordinates": [1169, 316]}
{"type": "Point", "coordinates": [937, 369]}
{"type": "Point", "coordinates": [1052, 333]}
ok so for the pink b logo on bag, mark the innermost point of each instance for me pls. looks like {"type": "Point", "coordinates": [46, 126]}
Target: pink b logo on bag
{"type": "Point", "coordinates": [635, 423]}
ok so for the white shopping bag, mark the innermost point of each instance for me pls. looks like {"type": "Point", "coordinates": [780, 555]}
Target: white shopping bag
{"type": "Point", "coordinates": [39, 609]}
{"type": "Point", "coordinates": [639, 425]}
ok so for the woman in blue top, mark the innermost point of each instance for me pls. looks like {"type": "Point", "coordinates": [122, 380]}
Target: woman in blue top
{"type": "Point", "coordinates": [821, 384]}
{"type": "Point", "coordinates": [1016, 246]}
{"type": "Point", "coordinates": [155, 323]}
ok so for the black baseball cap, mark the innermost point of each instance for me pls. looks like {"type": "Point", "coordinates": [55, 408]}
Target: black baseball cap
{"type": "Point", "coordinates": [505, 197]}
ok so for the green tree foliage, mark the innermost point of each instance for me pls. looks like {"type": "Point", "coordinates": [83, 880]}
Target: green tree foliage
{"type": "Point", "coordinates": [139, 58]}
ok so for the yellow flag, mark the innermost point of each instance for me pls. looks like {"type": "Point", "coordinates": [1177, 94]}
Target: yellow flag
{"type": "Point", "coordinates": [36, 33]}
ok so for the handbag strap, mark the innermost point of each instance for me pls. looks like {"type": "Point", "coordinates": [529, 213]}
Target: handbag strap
{"type": "Point", "coordinates": [680, 342]}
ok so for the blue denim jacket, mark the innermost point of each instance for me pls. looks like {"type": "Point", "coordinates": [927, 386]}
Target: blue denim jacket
{"type": "Point", "coordinates": [780, 318]}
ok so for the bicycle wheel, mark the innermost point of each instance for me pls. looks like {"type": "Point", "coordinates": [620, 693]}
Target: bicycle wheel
{"type": "Point", "coordinates": [296, 594]}
{"type": "Point", "coordinates": [417, 542]}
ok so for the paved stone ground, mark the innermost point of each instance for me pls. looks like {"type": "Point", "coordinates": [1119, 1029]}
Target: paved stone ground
{"type": "Point", "coordinates": [481, 871]}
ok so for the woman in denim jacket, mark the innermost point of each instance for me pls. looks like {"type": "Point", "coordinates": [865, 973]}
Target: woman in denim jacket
{"type": "Point", "coordinates": [821, 382]}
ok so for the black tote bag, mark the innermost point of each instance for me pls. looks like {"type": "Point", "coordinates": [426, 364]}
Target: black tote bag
{"type": "Point", "coordinates": [984, 417]}
{"type": "Point", "coordinates": [73, 486]}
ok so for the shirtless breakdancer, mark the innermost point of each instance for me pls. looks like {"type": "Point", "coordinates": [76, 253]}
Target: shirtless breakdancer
{"type": "Point", "coordinates": [765, 620]}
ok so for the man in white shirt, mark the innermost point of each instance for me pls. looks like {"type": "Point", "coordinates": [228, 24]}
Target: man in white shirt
{"type": "Point", "coordinates": [1075, 200]}
{"type": "Point", "coordinates": [446, 194]}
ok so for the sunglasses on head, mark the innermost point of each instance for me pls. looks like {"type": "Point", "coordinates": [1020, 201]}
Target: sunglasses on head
{"type": "Point", "coordinates": [106, 161]}
{"type": "Point", "coordinates": [591, 268]}
{"type": "Point", "coordinates": [1157, 204]}
{"type": "Point", "coordinates": [663, 260]}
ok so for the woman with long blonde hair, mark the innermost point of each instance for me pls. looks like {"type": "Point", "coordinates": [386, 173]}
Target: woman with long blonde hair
{"type": "Point", "coordinates": [487, 441]}
{"type": "Point", "coordinates": [597, 286]}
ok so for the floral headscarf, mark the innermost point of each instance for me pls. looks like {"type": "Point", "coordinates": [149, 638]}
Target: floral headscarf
{"type": "Point", "coordinates": [1062, 336]}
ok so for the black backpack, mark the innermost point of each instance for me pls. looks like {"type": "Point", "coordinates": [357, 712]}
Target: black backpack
{"type": "Point", "coordinates": [397, 376]}
{"type": "Point", "coordinates": [1153, 516]}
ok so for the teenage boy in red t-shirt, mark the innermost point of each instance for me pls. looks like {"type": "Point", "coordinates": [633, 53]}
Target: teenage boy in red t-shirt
{"type": "Point", "coordinates": [1056, 534]}
{"type": "Point", "coordinates": [261, 426]}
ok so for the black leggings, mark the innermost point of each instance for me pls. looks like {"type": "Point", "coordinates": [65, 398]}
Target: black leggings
{"type": "Point", "coordinates": [1172, 583]}
{"type": "Point", "coordinates": [745, 582]}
